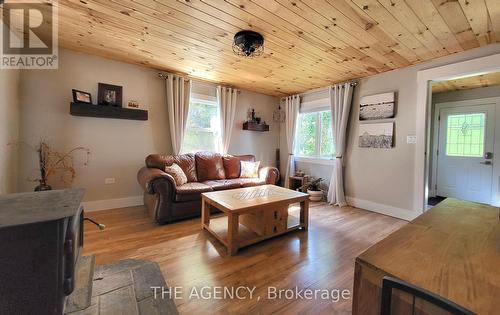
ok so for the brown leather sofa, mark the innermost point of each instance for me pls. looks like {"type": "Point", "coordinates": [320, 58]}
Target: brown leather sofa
{"type": "Point", "coordinates": [205, 172]}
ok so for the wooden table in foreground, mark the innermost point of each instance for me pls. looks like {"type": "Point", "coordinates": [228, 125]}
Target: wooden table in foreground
{"type": "Point", "coordinates": [452, 250]}
{"type": "Point", "coordinates": [253, 214]}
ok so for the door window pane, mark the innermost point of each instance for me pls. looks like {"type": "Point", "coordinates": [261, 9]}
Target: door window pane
{"type": "Point", "coordinates": [465, 135]}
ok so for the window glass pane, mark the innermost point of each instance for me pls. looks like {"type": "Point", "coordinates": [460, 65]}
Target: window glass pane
{"type": "Point", "coordinates": [202, 128]}
{"type": "Point", "coordinates": [326, 145]}
{"type": "Point", "coordinates": [465, 135]}
{"type": "Point", "coordinates": [306, 134]}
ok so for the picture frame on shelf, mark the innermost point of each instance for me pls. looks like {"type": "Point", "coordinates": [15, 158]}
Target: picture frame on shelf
{"type": "Point", "coordinates": [133, 104]}
{"type": "Point", "coordinates": [110, 95]}
{"type": "Point", "coordinates": [81, 97]}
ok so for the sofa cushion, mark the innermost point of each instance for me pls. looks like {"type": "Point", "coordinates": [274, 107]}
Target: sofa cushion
{"type": "Point", "coordinates": [232, 164]}
{"type": "Point", "coordinates": [185, 161]}
{"type": "Point", "coordinates": [192, 188]}
{"type": "Point", "coordinates": [209, 166]}
{"type": "Point", "coordinates": [222, 184]}
{"type": "Point", "coordinates": [187, 197]}
{"type": "Point", "coordinates": [248, 182]}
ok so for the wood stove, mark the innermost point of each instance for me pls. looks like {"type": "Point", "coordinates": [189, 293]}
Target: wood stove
{"type": "Point", "coordinates": [41, 236]}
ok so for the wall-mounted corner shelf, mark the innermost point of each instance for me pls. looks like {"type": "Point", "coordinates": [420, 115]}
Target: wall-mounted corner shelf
{"type": "Point", "coordinates": [100, 111]}
{"type": "Point", "coordinates": [255, 127]}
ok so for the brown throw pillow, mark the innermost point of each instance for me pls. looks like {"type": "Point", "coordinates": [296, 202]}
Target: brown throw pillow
{"type": "Point", "coordinates": [177, 173]}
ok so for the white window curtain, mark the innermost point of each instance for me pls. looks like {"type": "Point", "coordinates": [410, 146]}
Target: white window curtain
{"type": "Point", "coordinates": [340, 102]}
{"type": "Point", "coordinates": [292, 105]}
{"type": "Point", "coordinates": [226, 98]}
{"type": "Point", "coordinates": [178, 92]}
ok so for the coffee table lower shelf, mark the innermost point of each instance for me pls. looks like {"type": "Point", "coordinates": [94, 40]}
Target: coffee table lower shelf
{"type": "Point", "coordinates": [218, 227]}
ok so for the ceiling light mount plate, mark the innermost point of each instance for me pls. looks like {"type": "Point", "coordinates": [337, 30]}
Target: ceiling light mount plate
{"type": "Point", "coordinates": [248, 44]}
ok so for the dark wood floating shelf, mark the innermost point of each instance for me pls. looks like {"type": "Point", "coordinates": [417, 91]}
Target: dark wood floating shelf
{"type": "Point", "coordinates": [100, 111]}
{"type": "Point", "coordinates": [255, 127]}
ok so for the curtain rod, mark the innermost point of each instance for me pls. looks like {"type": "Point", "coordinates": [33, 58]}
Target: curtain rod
{"type": "Point", "coordinates": [163, 75]}
{"type": "Point", "coordinates": [353, 84]}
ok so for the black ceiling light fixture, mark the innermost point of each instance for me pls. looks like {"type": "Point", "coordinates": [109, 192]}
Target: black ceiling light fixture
{"type": "Point", "coordinates": [248, 44]}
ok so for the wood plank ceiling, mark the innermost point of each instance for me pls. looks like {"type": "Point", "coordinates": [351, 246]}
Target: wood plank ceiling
{"type": "Point", "coordinates": [478, 81]}
{"type": "Point", "coordinates": [308, 43]}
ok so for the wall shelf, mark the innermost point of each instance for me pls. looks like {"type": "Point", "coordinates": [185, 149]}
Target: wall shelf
{"type": "Point", "coordinates": [255, 127]}
{"type": "Point", "coordinates": [100, 111]}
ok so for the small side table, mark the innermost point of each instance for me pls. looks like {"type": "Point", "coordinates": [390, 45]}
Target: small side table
{"type": "Point", "coordinates": [296, 182]}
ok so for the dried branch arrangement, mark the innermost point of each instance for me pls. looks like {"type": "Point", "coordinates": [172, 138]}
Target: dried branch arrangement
{"type": "Point", "coordinates": [52, 162]}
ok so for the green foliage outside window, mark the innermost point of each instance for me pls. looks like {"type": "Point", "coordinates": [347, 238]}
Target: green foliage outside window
{"type": "Point", "coordinates": [314, 135]}
{"type": "Point", "coordinates": [202, 129]}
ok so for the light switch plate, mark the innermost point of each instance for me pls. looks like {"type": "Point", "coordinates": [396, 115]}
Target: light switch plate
{"type": "Point", "coordinates": [109, 181]}
{"type": "Point", "coordinates": [411, 139]}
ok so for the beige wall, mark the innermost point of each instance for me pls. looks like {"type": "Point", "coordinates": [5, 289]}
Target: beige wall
{"type": "Point", "coordinates": [9, 129]}
{"type": "Point", "coordinates": [387, 176]}
{"type": "Point", "coordinates": [262, 144]}
{"type": "Point", "coordinates": [377, 179]}
{"type": "Point", "coordinates": [118, 147]}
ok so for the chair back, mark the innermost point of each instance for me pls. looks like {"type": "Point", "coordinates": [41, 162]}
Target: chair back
{"type": "Point", "coordinates": [401, 298]}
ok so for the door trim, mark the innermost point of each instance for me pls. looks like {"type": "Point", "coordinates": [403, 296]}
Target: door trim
{"type": "Point", "coordinates": [489, 62]}
{"type": "Point", "coordinates": [435, 133]}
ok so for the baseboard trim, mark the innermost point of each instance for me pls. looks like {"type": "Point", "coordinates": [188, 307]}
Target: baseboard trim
{"type": "Point", "coordinates": [399, 213]}
{"type": "Point", "coordinates": [98, 205]}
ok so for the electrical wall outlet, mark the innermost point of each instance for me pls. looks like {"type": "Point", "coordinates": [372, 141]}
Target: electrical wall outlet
{"type": "Point", "coordinates": [109, 180]}
{"type": "Point", "coordinates": [411, 139]}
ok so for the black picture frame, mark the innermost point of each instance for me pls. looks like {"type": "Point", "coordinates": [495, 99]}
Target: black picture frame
{"type": "Point", "coordinates": [81, 97]}
{"type": "Point", "coordinates": [109, 95]}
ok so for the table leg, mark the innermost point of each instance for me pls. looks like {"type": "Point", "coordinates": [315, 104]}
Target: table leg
{"type": "Point", "coordinates": [232, 233]}
{"type": "Point", "coordinates": [205, 213]}
{"type": "Point", "coordinates": [304, 214]}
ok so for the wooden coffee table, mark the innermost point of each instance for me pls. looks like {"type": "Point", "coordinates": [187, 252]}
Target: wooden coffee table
{"type": "Point", "coordinates": [253, 214]}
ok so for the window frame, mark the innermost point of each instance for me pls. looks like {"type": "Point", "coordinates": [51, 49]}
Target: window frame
{"type": "Point", "coordinates": [316, 158]}
{"type": "Point", "coordinates": [216, 133]}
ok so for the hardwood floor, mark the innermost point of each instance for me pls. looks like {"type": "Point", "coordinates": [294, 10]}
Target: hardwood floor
{"type": "Point", "coordinates": [318, 259]}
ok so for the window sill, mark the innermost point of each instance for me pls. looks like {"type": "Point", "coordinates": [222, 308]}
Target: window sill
{"type": "Point", "coordinates": [312, 160]}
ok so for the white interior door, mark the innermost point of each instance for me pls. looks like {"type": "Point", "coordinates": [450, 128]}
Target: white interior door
{"type": "Point", "coordinates": [465, 152]}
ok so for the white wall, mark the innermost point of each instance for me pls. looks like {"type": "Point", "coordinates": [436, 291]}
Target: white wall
{"type": "Point", "coordinates": [118, 147]}
{"type": "Point", "coordinates": [9, 129]}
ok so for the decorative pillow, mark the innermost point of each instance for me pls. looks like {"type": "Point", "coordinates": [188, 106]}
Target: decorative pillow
{"type": "Point", "coordinates": [249, 169]}
{"type": "Point", "coordinates": [177, 173]}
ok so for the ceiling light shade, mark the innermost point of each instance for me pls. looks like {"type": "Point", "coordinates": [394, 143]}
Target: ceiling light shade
{"type": "Point", "coordinates": [248, 44]}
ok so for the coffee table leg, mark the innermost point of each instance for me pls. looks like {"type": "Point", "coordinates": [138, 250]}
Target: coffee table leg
{"type": "Point", "coordinates": [232, 233]}
{"type": "Point", "coordinates": [304, 214]}
{"type": "Point", "coordinates": [205, 213]}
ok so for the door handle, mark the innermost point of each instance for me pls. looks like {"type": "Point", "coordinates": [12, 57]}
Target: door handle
{"type": "Point", "coordinates": [486, 163]}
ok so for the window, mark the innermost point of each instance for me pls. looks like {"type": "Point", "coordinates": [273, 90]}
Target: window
{"type": "Point", "coordinates": [203, 127]}
{"type": "Point", "coordinates": [314, 137]}
{"type": "Point", "coordinates": [465, 135]}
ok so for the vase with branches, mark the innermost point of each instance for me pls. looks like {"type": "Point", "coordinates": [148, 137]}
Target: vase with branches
{"type": "Point", "coordinates": [52, 162]}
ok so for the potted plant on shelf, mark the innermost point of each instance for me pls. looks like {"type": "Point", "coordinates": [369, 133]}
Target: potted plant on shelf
{"type": "Point", "coordinates": [313, 189]}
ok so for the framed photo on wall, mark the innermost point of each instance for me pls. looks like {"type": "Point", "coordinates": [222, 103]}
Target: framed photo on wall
{"type": "Point", "coordinates": [378, 106]}
{"type": "Point", "coordinates": [109, 95]}
{"type": "Point", "coordinates": [378, 136]}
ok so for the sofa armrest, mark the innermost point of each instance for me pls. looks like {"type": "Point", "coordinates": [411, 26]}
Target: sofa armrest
{"type": "Point", "coordinates": [269, 174]}
{"type": "Point", "coordinates": [147, 176]}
